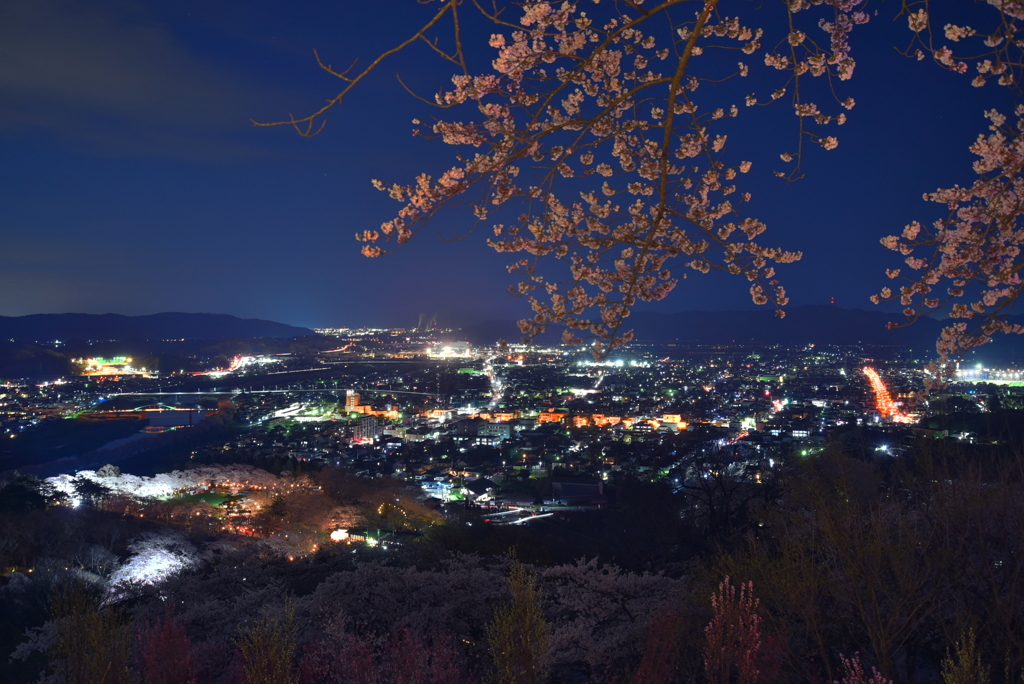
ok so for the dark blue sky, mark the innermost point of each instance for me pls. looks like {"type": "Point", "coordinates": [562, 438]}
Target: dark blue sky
{"type": "Point", "coordinates": [133, 182]}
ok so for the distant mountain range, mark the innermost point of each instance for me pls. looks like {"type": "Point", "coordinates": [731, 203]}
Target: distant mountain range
{"type": "Point", "coordinates": [802, 325]}
{"type": "Point", "coordinates": [162, 326]}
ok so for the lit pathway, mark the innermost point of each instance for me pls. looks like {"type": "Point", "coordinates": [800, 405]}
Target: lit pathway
{"type": "Point", "coordinates": [883, 401]}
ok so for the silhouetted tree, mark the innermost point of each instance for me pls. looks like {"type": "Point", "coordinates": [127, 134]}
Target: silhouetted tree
{"type": "Point", "coordinates": [518, 635]}
{"type": "Point", "coordinates": [91, 645]}
{"type": "Point", "coordinates": [268, 649]}
{"type": "Point", "coordinates": [165, 653]}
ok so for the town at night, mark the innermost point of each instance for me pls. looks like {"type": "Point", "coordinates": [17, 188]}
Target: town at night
{"type": "Point", "coordinates": [358, 447]}
{"type": "Point", "coordinates": [511, 342]}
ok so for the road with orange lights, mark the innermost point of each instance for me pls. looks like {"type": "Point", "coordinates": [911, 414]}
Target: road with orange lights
{"type": "Point", "coordinates": [883, 401]}
{"type": "Point", "coordinates": [236, 363]}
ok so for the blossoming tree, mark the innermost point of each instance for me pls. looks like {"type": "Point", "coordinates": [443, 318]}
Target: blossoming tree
{"type": "Point", "coordinates": [596, 149]}
{"type": "Point", "coordinates": [969, 263]}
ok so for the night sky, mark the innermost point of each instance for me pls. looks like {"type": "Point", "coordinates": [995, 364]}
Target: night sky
{"type": "Point", "coordinates": [132, 180]}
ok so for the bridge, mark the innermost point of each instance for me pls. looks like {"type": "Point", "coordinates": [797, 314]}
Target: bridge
{"type": "Point", "coordinates": [236, 391]}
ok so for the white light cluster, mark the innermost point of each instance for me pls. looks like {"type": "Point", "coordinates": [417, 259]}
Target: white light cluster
{"type": "Point", "coordinates": [156, 557]}
{"type": "Point", "coordinates": [613, 363]}
{"type": "Point", "coordinates": [165, 485]}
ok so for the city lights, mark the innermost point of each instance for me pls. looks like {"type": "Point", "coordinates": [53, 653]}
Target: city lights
{"type": "Point", "coordinates": [883, 401]}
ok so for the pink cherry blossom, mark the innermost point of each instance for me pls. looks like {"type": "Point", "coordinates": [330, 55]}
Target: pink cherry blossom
{"type": "Point", "coordinates": [975, 253]}
{"type": "Point", "coordinates": [561, 83]}
{"type": "Point", "coordinates": [602, 133]}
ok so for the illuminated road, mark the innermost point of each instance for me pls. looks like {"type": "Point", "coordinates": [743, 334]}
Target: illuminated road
{"type": "Point", "coordinates": [497, 386]}
{"type": "Point", "coordinates": [883, 401]}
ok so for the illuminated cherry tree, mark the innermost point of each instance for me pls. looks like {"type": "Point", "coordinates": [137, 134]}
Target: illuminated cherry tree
{"type": "Point", "coordinates": [597, 153]}
{"type": "Point", "coordinates": [163, 485]}
{"type": "Point", "coordinates": [733, 651]}
{"type": "Point", "coordinates": [156, 556]}
{"type": "Point", "coordinates": [853, 672]}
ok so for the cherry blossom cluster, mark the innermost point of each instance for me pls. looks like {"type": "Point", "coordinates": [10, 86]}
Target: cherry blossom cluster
{"type": "Point", "coordinates": [1001, 55]}
{"type": "Point", "coordinates": [733, 636]}
{"type": "Point", "coordinates": [853, 672]}
{"type": "Point", "coordinates": [605, 135]}
{"type": "Point", "coordinates": [970, 261]}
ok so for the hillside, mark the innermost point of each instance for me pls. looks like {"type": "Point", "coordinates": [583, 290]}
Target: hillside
{"type": "Point", "coordinates": [161, 326]}
{"type": "Point", "coordinates": [802, 325]}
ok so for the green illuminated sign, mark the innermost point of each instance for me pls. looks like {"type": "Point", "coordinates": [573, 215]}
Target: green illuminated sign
{"type": "Point", "coordinates": [112, 361]}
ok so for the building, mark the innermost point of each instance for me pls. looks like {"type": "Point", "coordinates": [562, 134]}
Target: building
{"type": "Point", "coordinates": [451, 350]}
{"type": "Point", "coordinates": [578, 492]}
{"type": "Point", "coordinates": [369, 428]}
{"type": "Point", "coordinates": [494, 431]}
{"type": "Point", "coordinates": [351, 401]}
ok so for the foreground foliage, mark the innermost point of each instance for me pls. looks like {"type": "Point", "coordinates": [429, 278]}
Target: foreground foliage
{"type": "Point", "coordinates": [913, 567]}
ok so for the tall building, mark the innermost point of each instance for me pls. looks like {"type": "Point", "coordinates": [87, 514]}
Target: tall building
{"type": "Point", "coordinates": [351, 400]}
{"type": "Point", "coordinates": [369, 428]}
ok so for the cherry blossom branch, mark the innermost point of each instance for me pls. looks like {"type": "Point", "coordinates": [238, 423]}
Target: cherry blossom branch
{"type": "Point", "coordinates": [573, 98]}
{"type": "Point", "coordinates": [351, 82]}
{"type": "Point", "coordinates": [973, 254]}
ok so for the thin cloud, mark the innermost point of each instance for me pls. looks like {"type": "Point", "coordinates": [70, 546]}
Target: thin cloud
{"type": "Point", "coordinates": [108, 76]}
